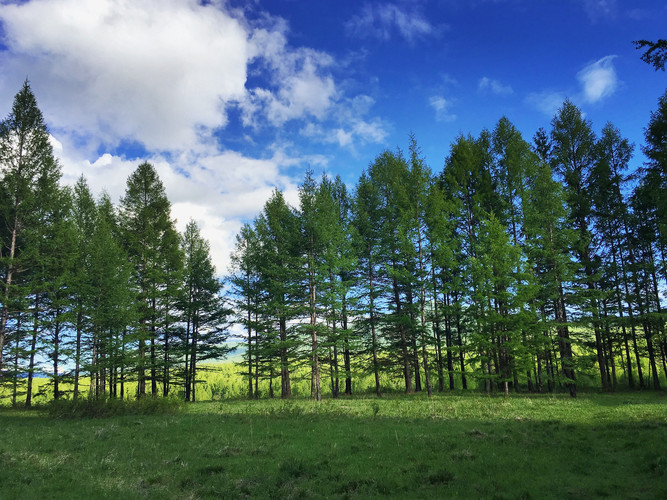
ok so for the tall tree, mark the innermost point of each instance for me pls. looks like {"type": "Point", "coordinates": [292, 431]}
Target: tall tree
{"type": "Point", "coordinates": [151, 243]}
{"type": "Point", "coordinates": [84, 213]}
{"type": "Point", "coordinates": [246, 296]}
{"type": "Point", "coordinates": [26, 160]}
{"type": "Point", "coordinates": [278, 228]}
{"type": "Point", "coordinates": [204, 310]}
{"type": "Point", "coordinates": [108, 306]}
{"type": "Point", "coordinates": [370, 285]}
{"type": "Point", "coordinates": [573, 157]}
{"type": "Point", "coordinates": [312, 245]}
{"type": "Point", "coordinates": [548, 243]}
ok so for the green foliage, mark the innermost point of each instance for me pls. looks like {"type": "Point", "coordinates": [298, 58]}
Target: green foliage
{"type": "Point", "coordinates": [516, 268]}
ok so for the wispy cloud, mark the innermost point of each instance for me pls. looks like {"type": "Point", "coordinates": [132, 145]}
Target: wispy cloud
{"type": "Point", "coordinates": [489, 85]}
{"type": "Point", "coordinates": [598, 10]}
{"type": "Point", "coordinates": [547, 101]}
{"type": "Point", "coordinates": [385, 20]}
{"type": "Point", "coordinates": [598, 79]}
{"type": "Point", "coordinates": [442, 108]}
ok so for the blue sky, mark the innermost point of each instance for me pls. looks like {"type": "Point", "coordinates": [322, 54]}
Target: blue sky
{"type": "Point", "coordinates": [231, 98]}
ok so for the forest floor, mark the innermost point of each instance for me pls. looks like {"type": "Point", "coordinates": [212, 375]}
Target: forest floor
{"type": "Point", "coordinates": [450, 446]}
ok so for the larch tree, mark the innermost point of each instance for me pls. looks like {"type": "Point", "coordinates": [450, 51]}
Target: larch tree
{"type": "Point", "coordinates": [151, 243]}
{"type": "Point", "coordinates": [572, 157]}
{"type": "Point", "coordinates": [26, 160]}
{"type": "Point", "coordinates": [278, 228]}
{"type": "Point", "coordinates": [205, 313]}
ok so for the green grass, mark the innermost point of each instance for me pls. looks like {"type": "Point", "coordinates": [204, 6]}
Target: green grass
{"type": "Point", "coordinates": [457, 445]}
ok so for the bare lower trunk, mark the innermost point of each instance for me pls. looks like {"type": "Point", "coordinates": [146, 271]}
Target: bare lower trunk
{"type": "Point", "coordinates": [285, 384]}
{"type": "Point", "coordinates": [33, 348]}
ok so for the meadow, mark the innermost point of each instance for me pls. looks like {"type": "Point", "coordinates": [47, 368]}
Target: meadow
{"type": "Point", "coordinates": [457, 445]}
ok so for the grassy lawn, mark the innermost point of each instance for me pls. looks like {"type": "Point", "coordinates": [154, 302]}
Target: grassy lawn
{"type": "Point", "coordinates": [461, 446]}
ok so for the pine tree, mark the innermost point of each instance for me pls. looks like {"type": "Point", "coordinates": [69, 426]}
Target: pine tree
{"type": "Point", "coordinates": [84, 213]}
{"type": "Point", "coordinates": [370, 287]}
{"type": "Point", "coordinates": [611, 223]}
{"type": "Point", "coordinates": [548, 243]}
{"type": "Point", "coordinates": [312, 247]}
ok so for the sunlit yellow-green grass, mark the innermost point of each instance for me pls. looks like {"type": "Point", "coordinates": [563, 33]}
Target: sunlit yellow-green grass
{"type": "Point", "coordinates": [229, 380]}
{"type": "Point", "coordinates": [450, 446]}
{"type": "Point", "coordinates": [215, 381]}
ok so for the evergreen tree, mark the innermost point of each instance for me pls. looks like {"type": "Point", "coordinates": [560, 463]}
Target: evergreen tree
{"type": "Point", "coordinates": [84, 213]}
{"type": "Point", "coordinates": [370, 285]}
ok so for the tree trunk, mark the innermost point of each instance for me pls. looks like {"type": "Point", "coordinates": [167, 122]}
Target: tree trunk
{"type": "Point", "coordinates": [346, 350]}
{"type": "Point", "coordinates": [33, 348]}
{"type": "Point", "coordinates": [407, 375]}
{"type": "Point", "coordinates": [77, 354]}
{"type": "Point", "coordinates": [4, 315]}
{"type": "Point", "coordinates": [285, 385]}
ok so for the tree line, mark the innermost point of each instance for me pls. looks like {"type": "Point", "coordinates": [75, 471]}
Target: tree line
{"type": "Point", "coordinates": [93, 292]}
{"type": "Point", "coordinates": [520, 266]}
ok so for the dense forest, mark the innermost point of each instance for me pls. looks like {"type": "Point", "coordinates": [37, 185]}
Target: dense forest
{"type": "Point", "coordinates": [520, 266]}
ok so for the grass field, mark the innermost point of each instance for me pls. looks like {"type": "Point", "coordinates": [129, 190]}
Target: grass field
{"type": "Point", "coordinates": [457, 445]}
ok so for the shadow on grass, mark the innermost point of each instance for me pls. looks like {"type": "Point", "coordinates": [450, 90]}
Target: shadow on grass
{"type": "Point", "coordinates": [302, 449]}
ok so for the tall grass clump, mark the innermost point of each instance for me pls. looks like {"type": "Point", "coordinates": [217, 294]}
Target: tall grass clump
{"type": "Point", "coordinates": [102, 407]}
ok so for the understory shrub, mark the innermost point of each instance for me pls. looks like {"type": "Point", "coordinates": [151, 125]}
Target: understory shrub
{"type": "Point", "coordinates": [111, 407]}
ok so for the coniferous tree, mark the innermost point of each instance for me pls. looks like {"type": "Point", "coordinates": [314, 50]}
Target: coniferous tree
{"type": "Point", "coordinates": [278, 231]}
{"type": "Point", "coordinates": [370, 286]}
{"type": "Point", "coordinates": [312, 247]}
{"type": "Point", "coordinates": [204, 309]}
{"type": "Point", "coordinates": [151, 244]}
{"type": "Point", "coordinates": [84, 214]}
{"type": "Point", "coordinates": [109, 306]}
{"type": "Point", "coordinates": [572, 158]}
{"type": "Point", "coordinates": [26, 161]}
{"type": "Point", "coordinates": [611, 222]}
{"type": "Point", "coordinates": [337, 262]}
{"type": "Point", "coordinates": [246, 282]}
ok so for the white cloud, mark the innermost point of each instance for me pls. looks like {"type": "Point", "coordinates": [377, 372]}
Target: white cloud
{"type": "Point", "coordinates": [352, 125]}
{"type": "Point", "coordinates": [152, 71]}
{"type": "Point", "coordinates": [383, 20]}
{"type": "Point", "coordinates": [353, 131]}
{"type": "Point", "coordinates": [441, 107]}
{"type": "Point", "coordinates": [220, 190]}
{"type": "Point", "coordinates": [164, 74]}
{"type": "Point", "coordinates": [547, 102]}
{"type": "Point", "coordinates": [600, 9]}
{"type": "Point", "coordinates": [494, 86]}
{"type": "Point", "coordinates": [598, 79]}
